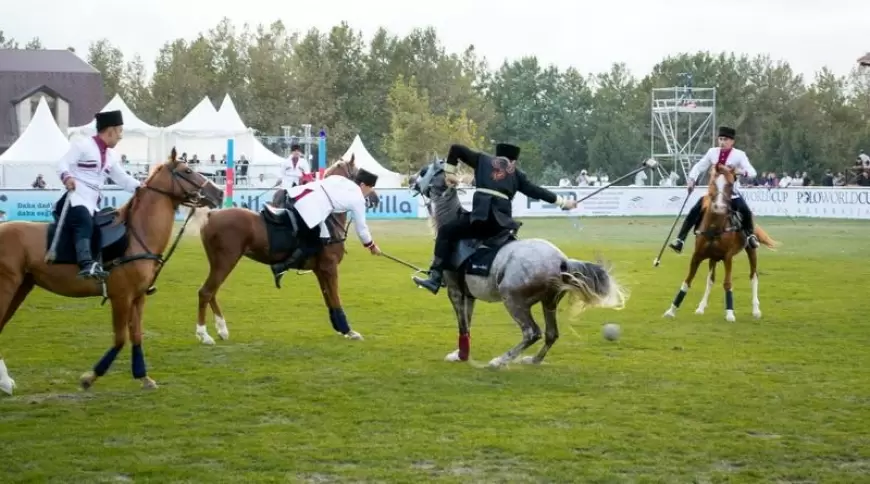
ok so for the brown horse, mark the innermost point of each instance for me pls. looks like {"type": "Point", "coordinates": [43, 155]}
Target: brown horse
{"type": "Point", "coordinates": [133, 240]}
{"type": "Point", "coordinates": [231, 233]}
{"type": "Point", "coordinates": [720, 239]}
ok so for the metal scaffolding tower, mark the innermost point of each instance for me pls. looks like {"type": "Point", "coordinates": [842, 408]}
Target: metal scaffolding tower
{"type": "Point", "coordinates": [683, 125]}
{"type": "Point", "coordinates": [304, 137]}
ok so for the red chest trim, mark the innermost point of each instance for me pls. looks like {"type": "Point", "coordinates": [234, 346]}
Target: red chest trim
{"type": "Point", "coordinates": [723, 155]}
{"type": "Point", "coordinates": [304, 193]}
{"type": "Point", "coordinates": [102, 147]}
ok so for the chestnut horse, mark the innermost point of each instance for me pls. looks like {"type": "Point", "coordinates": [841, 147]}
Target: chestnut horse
{"type": "Point", "coordinates": [133, 241]}
{"type": "Point", "coordinates": [228, 234]}
{"type": "Point", "coordinates": [720, 239]}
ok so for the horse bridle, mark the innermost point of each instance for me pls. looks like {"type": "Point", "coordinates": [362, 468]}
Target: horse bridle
{"type": "Point", "coordinates": [190, 198]}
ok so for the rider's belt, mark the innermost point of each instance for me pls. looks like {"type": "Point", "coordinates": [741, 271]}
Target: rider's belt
{"type": "Point", "coordinates": [493, 193]}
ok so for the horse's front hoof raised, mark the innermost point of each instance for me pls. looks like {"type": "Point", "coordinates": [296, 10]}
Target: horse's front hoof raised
{"type": "Point", "coordinates": [148, 383]}
{"type": "Point", "coordinates": [87, 380]}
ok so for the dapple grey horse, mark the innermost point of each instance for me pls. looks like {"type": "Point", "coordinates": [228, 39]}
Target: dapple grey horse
{"type": "Point", "coordinates": [523, 273]}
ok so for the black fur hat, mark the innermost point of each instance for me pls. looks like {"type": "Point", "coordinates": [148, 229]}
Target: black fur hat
{"type": "Point", "coordinates": [108, 119]}
{"type": "Point", "coordinates": [295, 147]}
{"type": "Point", "coordinates": [508, 151]}
{"type": "Point", "coordinates": [726, 132]}
{"type": "Point", "coordinates": [367, 177]}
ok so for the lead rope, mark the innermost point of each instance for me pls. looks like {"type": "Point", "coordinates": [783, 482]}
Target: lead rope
{"type": "Point", "coordinates": [151, 289]}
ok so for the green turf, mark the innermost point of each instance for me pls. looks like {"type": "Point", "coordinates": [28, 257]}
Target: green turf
{"type": "Point", "coordinates": [784, 399]}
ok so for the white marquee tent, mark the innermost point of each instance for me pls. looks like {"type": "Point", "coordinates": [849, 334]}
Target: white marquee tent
{"type": "Point", "coordinates": [364, 159]}
{"type": "Point", "coordinates": [35, 152]}
{"type": "Point", "coordinates": [204, 132]}
{"type": "Point", "coordinates": [141, 142]}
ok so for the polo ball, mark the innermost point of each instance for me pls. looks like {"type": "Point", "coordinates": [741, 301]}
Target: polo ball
{"type": "Point", "coordinates": [611, 332]}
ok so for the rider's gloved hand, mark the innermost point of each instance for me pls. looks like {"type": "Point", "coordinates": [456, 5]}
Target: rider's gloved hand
{"type": "Point", "coordinates": [452, 179]}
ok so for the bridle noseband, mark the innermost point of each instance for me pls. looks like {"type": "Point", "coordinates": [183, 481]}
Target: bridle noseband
{"type": "Point", "coordinates": [191, 198]}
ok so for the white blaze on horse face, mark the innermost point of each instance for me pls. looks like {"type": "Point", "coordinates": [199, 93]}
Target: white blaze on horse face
{"type": "Point", "coordinates": [719, 204]}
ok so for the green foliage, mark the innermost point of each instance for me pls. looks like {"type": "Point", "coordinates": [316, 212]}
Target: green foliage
{"type": "Point", "coordinates": [408, 97]}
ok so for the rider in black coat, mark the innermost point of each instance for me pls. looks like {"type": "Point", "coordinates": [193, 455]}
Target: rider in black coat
{"type": "Point", "coordinates": [497, 180]}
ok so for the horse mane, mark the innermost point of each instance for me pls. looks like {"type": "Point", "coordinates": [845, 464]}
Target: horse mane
{"type": "Point", "coordinates": [126, 209]}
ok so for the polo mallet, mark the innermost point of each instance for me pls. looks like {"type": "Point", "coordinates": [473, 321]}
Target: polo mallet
{"type": "Point", "coordinates": [650, 163]}
{"type": "Point", "coordinates": [52, 250]}
{"type": "Point", "coordinates": [406, 264]}
{"type": "Point", "coordinates": [671, 232]}
{"type": "Point", "coordinates": [267, 191]}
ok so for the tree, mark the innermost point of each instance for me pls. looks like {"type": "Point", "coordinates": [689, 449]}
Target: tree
{"type": "Point", "coordinates": [7, 42]}
{"type": "Point", "coordinates": [34, 44]}
{"type": "Point", "coordinates": [134, 84]}
{"type": "Point", "coordinates": [109, 60]}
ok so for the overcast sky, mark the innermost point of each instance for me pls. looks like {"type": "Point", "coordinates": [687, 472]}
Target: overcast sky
{"type": "Point", "coordinates": [588, 35]}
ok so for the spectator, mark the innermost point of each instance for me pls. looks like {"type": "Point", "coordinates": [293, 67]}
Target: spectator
{"type": "Point", "coordinates": [785, 181]}
{"type": "Point", "coordinates": [828, 179]}
{"type": "Point", "coordinates": [839, 180]}
{"type": "Point", "coordinates": [39, 183]}
{"type": "Point", "coordinates": [864, 160]}
{"type": "Point", "coordinates": [864, 179]}
{"type": "Point", "coordinates": [806, 180]}
{"type": "Point", "coordinates": [797, 180]}
{"type": "Point", "coordinates": [2, 216]}
{"type": "Point", "coordinates": [582, 179]}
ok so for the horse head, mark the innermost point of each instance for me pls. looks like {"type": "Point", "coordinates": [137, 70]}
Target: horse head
{"type": "Point", "coordinates": [183, 185]}
{"type": "Point", "coordinates": [721, 187]}
{"type": "Point", "coordinates": [349, 169]}
{"type": "Point", "coordinates": [430, 181]}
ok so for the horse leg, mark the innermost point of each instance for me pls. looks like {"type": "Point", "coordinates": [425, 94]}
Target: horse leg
{"type": "Point", "coordinates": [10, 300]}
{"type": "Point", "coordinates": [219, 268]}
{"type": "Point", "coordinates": [729, 296]}
{"type": "Point", "coordinates": [551, 333]}
{"type": "Point", "coordinates": [140, 371]}
{"type": "Point", "coordinates": [684, 288]}
{"type": "Point", "coordinates": [122, 310]}
{"type": "Point", "coordinates": [328, 280]}
{"type": "Point", "coordinates": [463, 305]}
{"type": "Point", "coordinates": [711, 278]}
{"type": "Point", "coordinates": [753, 281]}
{"type": "Point", "coordinates": [522, 314]}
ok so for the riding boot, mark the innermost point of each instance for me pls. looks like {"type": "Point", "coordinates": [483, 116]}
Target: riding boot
{"type": "Point", "coordinates": [281, 268]}
{"type": "Point", "coordinates": [749, 228]}
{"type": "Point", "coordinates": [691, 221]}
{"type": "Point", "coordinates": [88, 267]}
{"type": "Point", "coordinates": [435, 280]}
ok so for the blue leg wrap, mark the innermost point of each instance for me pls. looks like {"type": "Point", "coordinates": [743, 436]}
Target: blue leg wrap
{"type": "Point", "coordinates": [138, 363]}
{"type": "Point", "coordinates": [729, 300]}
{"type": "Point", "coordinates": [339, 320]}
{"type": "Point", "coordinates": [106, 361]}
{"type": "Point", "coordinates": [679, 298]}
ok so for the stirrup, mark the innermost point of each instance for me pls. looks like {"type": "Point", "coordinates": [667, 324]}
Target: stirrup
{"type": "Point", "coordinates": [93, 271]}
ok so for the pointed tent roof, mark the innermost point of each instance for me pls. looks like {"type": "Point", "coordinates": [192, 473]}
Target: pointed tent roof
{"type": "Point", "coordinates": [229, 116]}
{"type": "Point", "coordinates": [42, 140]}
{"type": "Point", "coordinates": [203, 121]}
{"type": "Point", "coordinates": [132, 123]}
{"type": "Point", "coordinates": [364, 159]}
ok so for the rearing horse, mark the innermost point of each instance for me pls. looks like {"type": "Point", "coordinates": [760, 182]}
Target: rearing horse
{"type": "Point", "coordinates": [228, 234]}
{"type": "Point", "coordinates": [719, 238]}
{"type": "Point", "coordinates": [133, 240]}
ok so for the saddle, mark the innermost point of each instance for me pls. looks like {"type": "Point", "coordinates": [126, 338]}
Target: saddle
{"type": "Point", "coordinates": [287, 232]}
{"type": "Point", "coordinates": [108, 242]}
{"type": "Point", "coordinates": [474, 257]}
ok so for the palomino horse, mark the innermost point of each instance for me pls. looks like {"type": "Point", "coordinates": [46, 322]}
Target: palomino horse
{"type": "Point", "coordinates": [720, 239]}
{"type": "Point", "coordinates": [132, 247]}
{"type": "Point", "coordinates": [518, 273]}
{"type": "Point", "coordinates": [231, 233]}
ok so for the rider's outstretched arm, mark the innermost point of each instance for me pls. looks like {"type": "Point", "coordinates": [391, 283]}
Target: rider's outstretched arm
{"type": "Point", "coordinates": [461, 153]}
{"type": "Point", "coordinates": [537, 192]}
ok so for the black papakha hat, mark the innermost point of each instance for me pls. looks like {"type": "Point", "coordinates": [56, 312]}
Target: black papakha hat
{"type": "Point", "coordinates": [367, 177]}
{"type": "Point", "coordinates": [508, 151]}
{"type": "Point", "coordinates": [108, 119]}
{"type": "Point", "coordinates": [726, 132]}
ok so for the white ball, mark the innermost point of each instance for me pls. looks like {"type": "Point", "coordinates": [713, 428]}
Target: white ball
{"type": "Point", "coordinates": [611, 331]}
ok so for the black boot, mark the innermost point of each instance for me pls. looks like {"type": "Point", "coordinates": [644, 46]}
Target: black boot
{"type": "Point", "coordinates": [434, 281]}
{"type": "Point", "coordinates": [691, 221]}
{"type": "Point", "coordinates": [749, 230]}
{"type": "Point", "coordinates": [88, 267]}
{"type": "Point", "coordinates": [281, 268]}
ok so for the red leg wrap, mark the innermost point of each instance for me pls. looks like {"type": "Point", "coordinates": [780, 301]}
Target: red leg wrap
{"type": "Point", "coordinates": [464, 346]}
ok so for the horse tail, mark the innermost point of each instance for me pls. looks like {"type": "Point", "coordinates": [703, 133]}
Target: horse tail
{"type": "Point", "coordinates": [765, 239]}
{"type": "Point", "coordinates": [593, 284]}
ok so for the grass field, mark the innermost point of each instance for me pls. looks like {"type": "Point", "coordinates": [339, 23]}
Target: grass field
{"type": "Point", "coordinates": [696, 399]}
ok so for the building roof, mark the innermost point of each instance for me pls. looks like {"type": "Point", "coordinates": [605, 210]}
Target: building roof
{"type": "Point", "coordinates": [865, 61]}
{"type": "Point", "coordinates": [58, 73]}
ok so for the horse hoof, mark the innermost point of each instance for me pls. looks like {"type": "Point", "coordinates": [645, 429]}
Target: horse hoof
{"type": "Point", "coordinates": [497, 362]}
{"type": "Point", "coordinates": [151, 290]}
{"type": "Point", "coordinates": [529, 360]}
{"type": "Point", "coordinates": [87, 380]}
{"type": "Point", "coordinates": [756, 313]}
{"type": "Point", "coordinates": [729, 316]}
{"type": "Point", "coordinates": [7, 385]}
{"type": "Point", "coordinates": [148, 384]}
{"type": "Point", "coordinates": [669, 314]}
{"type": "Point", "coordinates": [353, 335]}
{"type": "Point", "coordinates": [204, 338]}
{"type": "Point", "coordinates": [221, 326]}
{"type": "Point", "coordinates": [453, 357]}
{"type": "Point", "coordinates": [700, 310]}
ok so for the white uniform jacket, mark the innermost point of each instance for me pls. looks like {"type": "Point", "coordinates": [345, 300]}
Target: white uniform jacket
{"type": "Point", "coordinates": [315, 201]}
{"type": "Point", "coordinates": [736, 160]}
{"type": "Point", "coordinates": [292, 174]}
{"type": "Point", "coordinates": [89, 162]}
